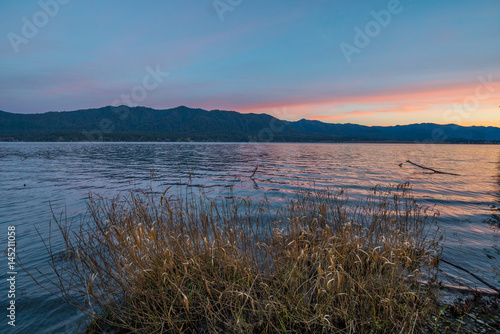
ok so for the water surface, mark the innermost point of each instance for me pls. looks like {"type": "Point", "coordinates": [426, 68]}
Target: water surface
{"type": "Point", "coordinates": [35, 177]}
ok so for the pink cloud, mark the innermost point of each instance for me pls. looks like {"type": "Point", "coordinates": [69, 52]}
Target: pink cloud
{"type": "Point", "coordinates": [327, 117]}
{"type": "Point", "coordinates": [413, 96]}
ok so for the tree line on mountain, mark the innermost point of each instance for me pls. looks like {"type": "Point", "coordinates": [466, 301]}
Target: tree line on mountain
{"type": "Point", "coordinates": [131, 124]}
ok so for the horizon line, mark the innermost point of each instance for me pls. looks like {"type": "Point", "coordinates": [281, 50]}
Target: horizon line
{"type": "Point", "coordinates": [245, 113]}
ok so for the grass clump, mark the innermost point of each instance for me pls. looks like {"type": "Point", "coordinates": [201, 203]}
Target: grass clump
{"type": "Point", "coordinates": [160, 265]}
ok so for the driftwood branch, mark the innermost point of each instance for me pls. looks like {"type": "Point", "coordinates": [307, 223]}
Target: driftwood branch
{"type": "Point", "coordinates": [433, 170]}
{"type": "Point", "coordinates": [472, 274]}
{"type": "Point", "coordinates": [254, 171]}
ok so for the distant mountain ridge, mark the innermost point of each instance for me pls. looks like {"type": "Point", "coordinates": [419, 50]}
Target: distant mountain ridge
{"type": "Point", "coordinates": [187, 124]}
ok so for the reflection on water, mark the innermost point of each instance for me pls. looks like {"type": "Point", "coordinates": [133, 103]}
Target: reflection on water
{"type": "Point", "coordinates": [37, 176]}
{"type": "Point", "coordinates": [496, 206]}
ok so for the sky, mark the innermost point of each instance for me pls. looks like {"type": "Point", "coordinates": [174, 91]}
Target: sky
{"type": "Point", "coordinates": [339, 61]}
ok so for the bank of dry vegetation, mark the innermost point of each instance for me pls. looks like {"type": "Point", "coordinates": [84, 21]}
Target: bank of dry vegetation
{"type": "Point", "coordinates": [165, 264]}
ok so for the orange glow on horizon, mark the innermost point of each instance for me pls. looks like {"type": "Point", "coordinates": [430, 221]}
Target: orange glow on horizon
{"type": "Point", "coordinates": [405, 100]}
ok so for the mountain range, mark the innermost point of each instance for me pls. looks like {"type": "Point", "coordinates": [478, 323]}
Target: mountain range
{"type": "Point", "coordinates": [186, 124]}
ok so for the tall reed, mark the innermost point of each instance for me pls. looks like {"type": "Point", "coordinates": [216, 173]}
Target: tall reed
{"type": "Point", "coordinates": [165, 264]}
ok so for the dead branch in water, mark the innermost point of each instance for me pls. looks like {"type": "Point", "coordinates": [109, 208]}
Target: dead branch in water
{"type": "Point", "coordinates": [427, 168]}
{"type": "Point", "coordinates": [472, 274]}
{"type": "Point", "coordinates": [254, 171]}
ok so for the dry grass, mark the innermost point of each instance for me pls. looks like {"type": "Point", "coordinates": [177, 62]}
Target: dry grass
{"type": "Point", "coordinates": [160, 265]}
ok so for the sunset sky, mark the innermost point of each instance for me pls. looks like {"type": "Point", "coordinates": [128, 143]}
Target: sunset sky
{"type": "Point", "coordinates": [341, 61]}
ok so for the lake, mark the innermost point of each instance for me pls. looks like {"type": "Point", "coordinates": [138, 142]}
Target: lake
{"type": "Point", "coordinates": [35, 177]}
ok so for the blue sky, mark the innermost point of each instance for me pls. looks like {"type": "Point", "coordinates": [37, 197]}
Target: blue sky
{"type": "Point", "coordinates": [430, 61]}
